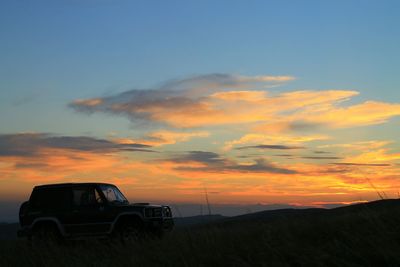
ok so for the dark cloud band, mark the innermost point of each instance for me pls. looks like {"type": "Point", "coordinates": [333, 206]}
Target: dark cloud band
{"type": "Point", "coordinates": [278, 147]}
{"type": "Point", "coordinates": [213, 162]}
{"type": "Point", "coordinates": [30, 144]}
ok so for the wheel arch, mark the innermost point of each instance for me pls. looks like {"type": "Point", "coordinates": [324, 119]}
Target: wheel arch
{"type": "Point", "coordinates": [127, 218]}
{"type": "Point", "coordinates": [39, 222]}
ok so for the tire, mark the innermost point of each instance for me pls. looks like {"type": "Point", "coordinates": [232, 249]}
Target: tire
{"type": "Point", "coordinates": [130, 233]}
{"type": "Point", "coordinates": [45, 235]}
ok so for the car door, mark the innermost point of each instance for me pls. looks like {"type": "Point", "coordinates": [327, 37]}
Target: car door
{"type": "Point", "coordinates": [88, 212]}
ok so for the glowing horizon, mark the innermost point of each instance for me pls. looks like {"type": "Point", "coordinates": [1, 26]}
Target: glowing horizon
{"type": "Point", "coordinates": [286, 149]}
{"type": "Point", "coordinates": [304, 115]}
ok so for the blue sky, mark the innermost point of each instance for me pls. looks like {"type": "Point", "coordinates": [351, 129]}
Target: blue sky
{"type": "Point", "coordinates": [54, 53]}
{"type": "Point", "coordinates": [86, 47]}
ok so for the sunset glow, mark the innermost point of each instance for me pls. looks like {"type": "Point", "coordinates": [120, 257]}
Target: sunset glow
{"type": "Point", "coordinates": [263, 130]}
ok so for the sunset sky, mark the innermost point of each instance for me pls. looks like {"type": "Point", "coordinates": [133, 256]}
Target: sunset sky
{"type": "Point", "coordinates": [256, 102]}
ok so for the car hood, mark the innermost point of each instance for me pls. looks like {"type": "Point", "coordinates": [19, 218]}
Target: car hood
{"type": "Point", "coordinates": [145, 205]}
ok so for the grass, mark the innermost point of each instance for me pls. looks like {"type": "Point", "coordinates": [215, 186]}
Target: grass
{"type": "Point", "coordinates": [368, 235]}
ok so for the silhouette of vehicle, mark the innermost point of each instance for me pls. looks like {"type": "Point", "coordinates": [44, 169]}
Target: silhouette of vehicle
{"type": "Point", "coordinates": [89, 210]}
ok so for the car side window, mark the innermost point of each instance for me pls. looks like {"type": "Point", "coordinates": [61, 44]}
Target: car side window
{"type": "Point", "coordinates": [54, 199]}
{"type": "Point", "coordinates": [86, 196]}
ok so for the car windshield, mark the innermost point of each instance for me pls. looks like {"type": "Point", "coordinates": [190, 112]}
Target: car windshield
{"type": "Point", "coordinates": [113, 195]}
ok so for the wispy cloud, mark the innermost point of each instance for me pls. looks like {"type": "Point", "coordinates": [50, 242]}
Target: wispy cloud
{"type": "Point", "coordinates": [212, 162]}
{"type": "Point", "coordinates": [31, 144]}
{"type": "Point", "coordinates": [319, 158]}
{"type": "Point", "coordinates": [181, 103]}
{"type": "Point", "coordinates": [362, 164]}
{"type": "Point", "coordinates": [381, 155]}
{"type": "Point", "coordinates": [290, 139]}
{"type": "Point", "coordinates": [321, 152]}
{"type": "Point", "coordinates": [279, 147]}
{"type": "Point", "coordinates": [359, 146]}
{"type": "Point", "coordinates": [163, 137]}
{"type": "Point", "coordinates": [218, 99]}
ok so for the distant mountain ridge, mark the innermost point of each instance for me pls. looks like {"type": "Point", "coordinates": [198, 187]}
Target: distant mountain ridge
{"type": "Point", "coordinates": [378, 206]}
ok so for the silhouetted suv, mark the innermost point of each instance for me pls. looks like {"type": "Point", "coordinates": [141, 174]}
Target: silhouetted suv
{"type": "Point", "coordinates": [83, 210]}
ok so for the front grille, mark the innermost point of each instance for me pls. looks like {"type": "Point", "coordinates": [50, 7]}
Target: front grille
{"type": "Point", "coordinates": [153, 212]}
{"type": "Point", "coordinates": [158, 212]}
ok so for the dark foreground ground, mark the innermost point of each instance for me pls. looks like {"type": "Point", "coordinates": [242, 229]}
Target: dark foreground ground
{"type": "Point", "coordinates": [359, 235]}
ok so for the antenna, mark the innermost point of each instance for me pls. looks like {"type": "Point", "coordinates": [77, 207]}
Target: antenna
{"type": "Point", "coordinates": [208, 203]}
{"type": "Point", "coordinates": [382, 197]}
{"type": "Point", "coordinates": [376, 190]}
{"type": "Point", "coordinates": [179, 212]}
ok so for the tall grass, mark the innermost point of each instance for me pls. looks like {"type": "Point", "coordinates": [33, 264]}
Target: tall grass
{"type": "Point", "coordinates": [368, 236]}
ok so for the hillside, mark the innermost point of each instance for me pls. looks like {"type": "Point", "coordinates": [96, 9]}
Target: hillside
{"type": "Point", "coordinates": [197, 220]}
{"type": "Point", "coordinates": [8, 231]}
{"type": "Point", "coordinates": [358, 235]}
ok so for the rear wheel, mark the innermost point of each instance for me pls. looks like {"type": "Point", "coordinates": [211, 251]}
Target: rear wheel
{"type": "Point", "coordinates": [45, 235]}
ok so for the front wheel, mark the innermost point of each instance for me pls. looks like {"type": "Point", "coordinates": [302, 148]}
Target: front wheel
{"type": "Point", "coordinates": [129, 233]}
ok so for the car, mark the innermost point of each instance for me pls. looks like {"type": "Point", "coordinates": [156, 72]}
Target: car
{"type": "Point", "coordinates": [89, 210]}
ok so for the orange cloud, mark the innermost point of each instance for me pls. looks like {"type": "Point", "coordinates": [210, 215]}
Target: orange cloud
{"type": "Point", "coordinates": [361, 146]}
{"type": "Point", "coordinates": [163, 137]}
{"type": "Point", "coordinates": [206, 101]}
{"type": "Point", "coordinates": [184, 180]}
{"type": "Point", "coordinates": [374, 156]}
{"type": "Point", "coordinates": [89, 102]}
{"type": "Point", "coordinates": [256, 138]}
{"type": "Point", "coordinates": [367, 113]}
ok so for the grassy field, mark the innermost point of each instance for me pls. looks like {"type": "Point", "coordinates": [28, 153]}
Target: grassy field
{"type": "Point", "coordinates": [360, 235]}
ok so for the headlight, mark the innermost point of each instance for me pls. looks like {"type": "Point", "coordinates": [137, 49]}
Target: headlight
{"type": "Point", "coordinates": [167, 212]}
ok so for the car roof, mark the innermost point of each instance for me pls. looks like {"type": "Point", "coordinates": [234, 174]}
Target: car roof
{"type": "Point", "coordinates": [68, 185]}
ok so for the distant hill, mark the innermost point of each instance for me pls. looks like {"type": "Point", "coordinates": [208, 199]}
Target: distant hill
{"type": "Point", "coordinates": [197, 220]}
{"type": "Point", "coordinates": [8, 231]}
{"type": "Point", "coordinates": [379, 206]}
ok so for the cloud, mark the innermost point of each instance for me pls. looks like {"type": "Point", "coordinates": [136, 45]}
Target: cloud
{"type": "Point", "coordinates": [321, 152]}
{"type": "Point", "coordinates": [361, 145]}
{"type": "Point", "coordinates": [318, 158]}
{"type": "Point", "coordinates": [364, 114]}
{"type": "Point", "coordinates": [284, 155]}
{"type": "Point", "coordinates": [181, 103]}
{"type": "Point", "coordinates": [31, 144]}
{"type": "Point", "coordinates": [200, 156]}
{"type": "Point", "coordinates": [279, 147]}
{"type": "Point", "coordinates": [361, 164]}
{"type": "Point", "coordinates": [212, 162]}
{"type": "Point", "coordinates": [261, 165]}
{"type": "Point", "coordinates": [257, 138]}
{"type": "Point", "coordinates": [163, 137]}
{"type": "Point", "coordinates": [381, 155]}
{"type": "Point", "coordinates": [215, 81]}
{"type": "Point", "coordinates": [219, 99]}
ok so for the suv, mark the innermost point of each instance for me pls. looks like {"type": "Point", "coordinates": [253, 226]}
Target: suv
{"type": "Point", "coordinates": [83, 210]}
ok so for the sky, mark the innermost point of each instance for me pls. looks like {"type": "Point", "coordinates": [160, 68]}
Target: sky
{"type": "Point", "coordinates": [254, 103]}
